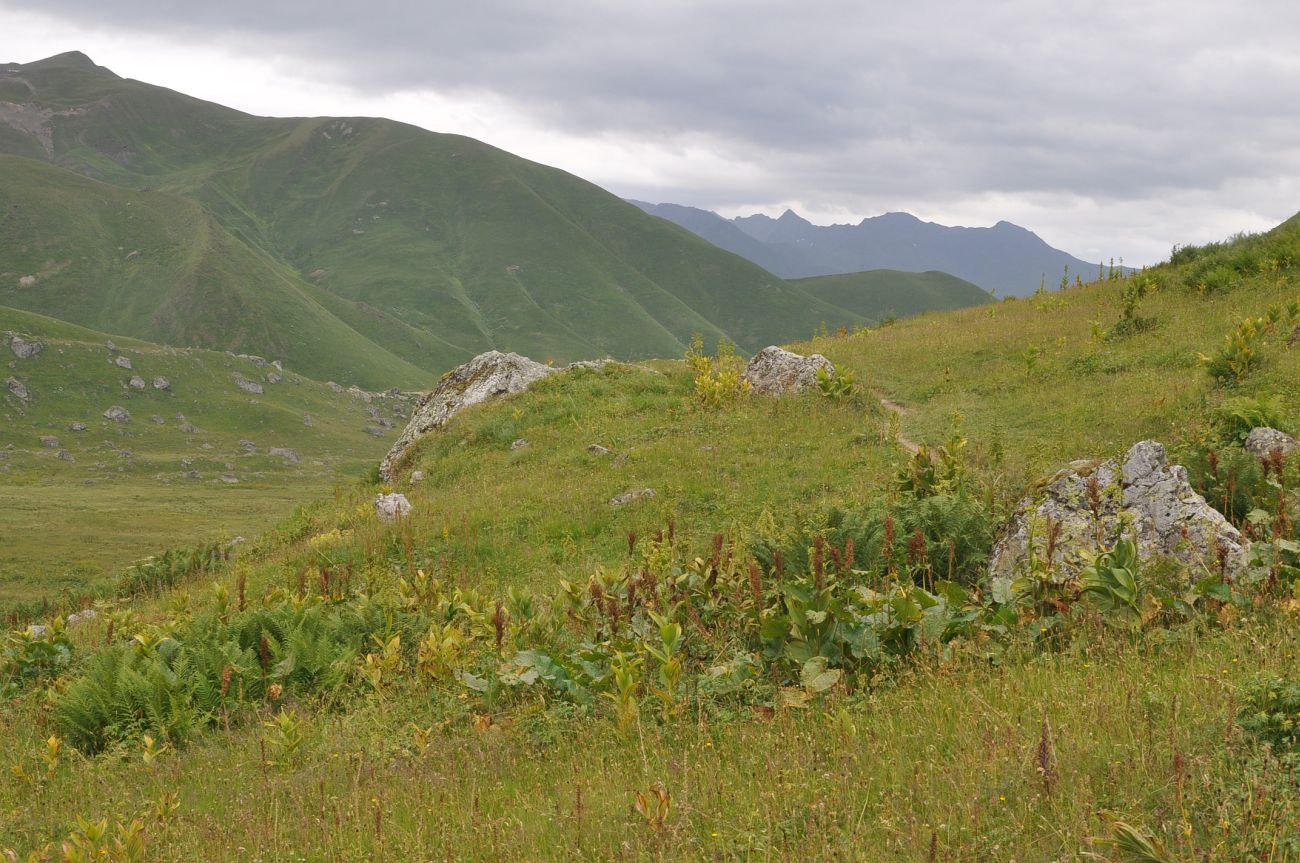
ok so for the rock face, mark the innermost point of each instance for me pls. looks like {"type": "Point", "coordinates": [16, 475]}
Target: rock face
{"type": "Point", "coordinates": [17, 388]}
{"type": "Point", "coordinates": [391, 507]}
{"type": "Point", "coordinates": [117, 414]}
{"type": "Point", "coordinates": [1090, 502]}
{"type": "Point", "coordinates": [777, 372]}
{"type": "Point", "coordinates": [250, 387]}
{"type": "Point", "coordinates": [488, 376]}
{"type": "Point", "coordinates": [22, 348]}
{"type": "Point", "coordinates": [1263, 442]}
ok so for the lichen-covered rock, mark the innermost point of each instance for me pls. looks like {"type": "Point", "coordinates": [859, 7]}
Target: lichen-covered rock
{"type": "Point", "coordinates": [117, 414]}
{"type": "Point", "coordinates": [17, 388]}
{"type": "Point", "coordinates": [631, 495]}
{"type": "Point", "coordinates": [77, 427]}
{"type": "Point", "coordinates": [161, 383]}
{"type": "Point", "coordinates": [290, 456]}
{"type": "Point", "coordinates": [1262, 442]}
{"type": "Point", "coordinates": [136, 382]}
{"type": "Point", "coordinates": [122, 362]}
{"type": "Point", "coordinates": [391, 507]}
{"type": "Point", "coordinates": [776, 372]}
{"type": "Point", "coordinates": [250, 387]}
{"type": "Point", "coordinates": [49, 441]}
{"type": "Point", "coordinates": [488, 376]}
{"type": "Point", "coordinates": [1089, 503]}
{"type": "Point", "coordinates": [23, 348]}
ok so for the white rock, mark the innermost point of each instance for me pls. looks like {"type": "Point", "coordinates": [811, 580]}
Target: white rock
{"type": "Point", "coordinates": [122, 362]}
{"type": "Point", "coordinates": [775, 372]}
{"type": "Point", "coordinates": [117, 414]}
{"type": "Point", "coordinates": [391, 507]}
{"type": "Point", "coordinates": [1262, 442]}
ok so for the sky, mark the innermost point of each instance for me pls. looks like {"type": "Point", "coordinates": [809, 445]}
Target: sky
{"type": "Point", "coordinates": [1111, 129]}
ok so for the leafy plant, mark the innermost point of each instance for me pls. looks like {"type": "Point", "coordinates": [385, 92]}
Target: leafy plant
{"type": "Point", "coordinates": [836, 385]}
{"type": "Point", "coordinates": [1270, 712]}
{"type": "Point", "coordinates": [718, 380]}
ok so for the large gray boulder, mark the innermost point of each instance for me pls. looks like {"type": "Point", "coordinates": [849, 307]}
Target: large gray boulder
{"type": "Point", "coordinates": [22, 348]}
{"type": "Point", "coordinates": [250, 387]}
{"type": "Point", "coordinates": [1091, 502]}
{"type": "Point", "coordinates": [392, 507]}
{"type": "Point", "coordinates": [488, 376]}
{"type": "Point", "coordinates": [777, 372]}
{"type": "Point", "coordinates": [17, 387]}
{"type": "Point", "coordinates": [1262, 442]}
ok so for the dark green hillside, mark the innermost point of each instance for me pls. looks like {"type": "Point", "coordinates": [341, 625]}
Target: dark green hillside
{"type": "Point", "coordinates": [434, 246]}
{"type": "Point", "coordinates": [878, 294]}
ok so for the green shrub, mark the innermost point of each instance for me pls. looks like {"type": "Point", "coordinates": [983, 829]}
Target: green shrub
{"type": "Point", "coordinates": [1270, 713]}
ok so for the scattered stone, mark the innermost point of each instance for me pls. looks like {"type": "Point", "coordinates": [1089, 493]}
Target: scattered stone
{"type": "Point", "coordinates": [1262, 442]}
{"type": "Point", "coordinates": [122, 362]}
{"type": "Point", "coordinates": [117, 414]}
{"type": "Point", "coordinates": [133, 254]}
{"type": "Point", "coordinates": [37, 630]}
{"type": "Point", "coordinates": [161, 383]}
{"type": "Point", "coordinates": [24, 349]}
{"type": "Point", "coordinates": [248, 446]}
{"type": "Point", "coordinates": [520, 443]}
{"type": "Point", "coordinates": [109, 344]}
{"type": "Point", "coordinates": [187, 462]}
{"type": "Point", "coordinates": [488, 376]}
{"type": "Point", "coordinates": [391, 507]}
{"type": "Point", "coordinates": [188, 428]}
{"type": "Point", "coordinates": [192, 474]}
{"type": "Point", "coordinates": [251, 387]}
{"type": "Point", "coordinates": [338, 388]}
{"type": "Point", "coordinates": [80, 617]}
{"type": "Point", "coordinates": [17, 388]}
{"type": "Point", "coordinates": [1089, 502]}
{"type": "Point", "coordinates": [307, 420]}
{"type": "Point", "coordinates": [136, 383]}
{"type": "Point", "coordinates": [632, 495]}
{"type": "Point", "coordinates": [77, 427]}
{"type": "Point", "coordinates": [597, 449]}
{"type": "Point", "coordinates": [125, 453]}
{"type": "Point", "coordinates": [49, 441]}
{"type": "Point", "coordinates": [229, 478]}
{"type": "Point", "coordinates": [157, 420]}
{"type": "Point", "coordinates": [377, 431]}
{"type": "Point", "coordinates": [206, 446]}
{"type": "Point", "coordinates": [289, 456]}
{"type": "Point", "coordinates": [255, 360]}
{"type": "Point", "coordinates": [64, 455]}
{"type": "Point", "coordinates": [417, 476]}
{"type": "Point", "coordinates": [26, 281]}
{"type": "Point", "coordinates": [272, 378]}
{"type": "Point", "coordinates": [777, 372]}
{"type": "Point", "coordinates": [279, 366]}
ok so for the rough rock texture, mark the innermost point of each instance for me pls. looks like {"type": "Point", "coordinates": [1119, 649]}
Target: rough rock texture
{"type": "Point", "coordinates": [17, 388]}
{"type": "Point", "coordinates": [597, 449]}
{"type": "Point", "coordinates": [1263, 442]}
{"type": "Point", "coordinates": [49, 441]}
{"type": "Point", "coordinates": [1090, 502]}
{"type": "Point", "coordinates": [251, 387]}
{"type": "Point", "coordinates": [136, 382]}
{"type": "Point", "coordinates": [486, 377]}
{"type": "Point", "coordinates": [776, 372]}
{"type": "Point", "coordinates": [630, 496]}
{"type": "Point", "coordinates": [123, 362]}
{"type": "Point", "coordinates": [520, 443]}
{"type": "Point", "coordinates": [22, 348]}
{"type": "Point", "coordinates": [289, 456]}
{"type": "Point", "coordinates": [117, 414]}
{"type": "Point", "coordinates": [391, 507]}
{"type": "Point", "coordinates": [417, 476]}
{"type": "Point", "coordinates": [77, 427]}
{"type": "Point", "coordinates": [161, 383]}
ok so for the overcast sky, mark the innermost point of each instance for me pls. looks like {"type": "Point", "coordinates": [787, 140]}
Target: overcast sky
{"type": "Point", "coordinates": [1109, 128]}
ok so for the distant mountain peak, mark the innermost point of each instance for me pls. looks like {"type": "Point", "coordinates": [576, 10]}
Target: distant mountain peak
{"type": "Point", "coordinates": [70, 60]}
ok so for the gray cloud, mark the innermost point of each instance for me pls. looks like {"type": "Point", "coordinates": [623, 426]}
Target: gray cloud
{"type": "Point", "coordinates": [842, 105]}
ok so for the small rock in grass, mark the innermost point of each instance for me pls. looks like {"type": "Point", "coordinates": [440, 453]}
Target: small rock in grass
{"type": "Point", "coordinates": [391, 507]}
{"type": "Point", "coordinates": [632, 495]}
{"type": "Point", "coordinates": [118, 414]}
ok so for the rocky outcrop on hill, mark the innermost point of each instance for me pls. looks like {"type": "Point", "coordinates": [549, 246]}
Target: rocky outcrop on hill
{"type": "Point", "coordinates": [1262, 442]}
{"type": "Point", "coordinates": [17, 387]}
{"type": "Point", "coordinates": [777, 372]}
{"type": "Point", "coordinates": [488, 376]}
{"type": "Point", "coordinates": [250, 387]}
{"type": "Point", "coordinates": [1088, 503]}
{"type": "Point", "coordinates": [24, 349]}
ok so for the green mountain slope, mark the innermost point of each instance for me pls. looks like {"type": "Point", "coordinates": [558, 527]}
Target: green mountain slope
{"type": "Point", "coordinates": [434, 246]}
{"type": "Point", "coordinates": [878, 294]}
{"type": "Point", "coordinates": [159, 267]}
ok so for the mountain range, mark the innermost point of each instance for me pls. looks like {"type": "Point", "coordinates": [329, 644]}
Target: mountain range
{"type": "Point", "coordinates": [1006, 259]}
{"type": "Point", "coordinates": [360, 249]}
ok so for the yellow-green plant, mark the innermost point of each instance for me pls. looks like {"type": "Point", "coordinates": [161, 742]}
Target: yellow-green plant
{"type": "Point", "coordinates": [438, 653]}
{"type": "Point", "coordinates": [286, 734]}
{"type": "Point", "coordinates": [720, 379]}
{"type": "Point", "coordinates": [378, 668]}
{"type": "Point", "coordinates": [626, 670]}
{"type": "Point", "coordinates": [667, 654]}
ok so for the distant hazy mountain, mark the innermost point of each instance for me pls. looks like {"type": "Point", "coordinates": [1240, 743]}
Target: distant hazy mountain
{"type": "Point", "coordinates": [1005, 259]}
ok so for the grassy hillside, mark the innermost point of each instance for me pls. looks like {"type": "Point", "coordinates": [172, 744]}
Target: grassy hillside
{"type": "Point", "coordinates": [879, 294]}
{"type": "Point", "coordinates": [84, 495]}
{"type": "Point", "coordinates": [435, 247]}
{"type": "Point", "coordinates": [522, 670]}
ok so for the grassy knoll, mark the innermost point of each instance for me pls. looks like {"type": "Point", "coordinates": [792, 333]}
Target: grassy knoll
{"type": "Point", "coordinates": [795, 657]}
